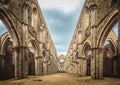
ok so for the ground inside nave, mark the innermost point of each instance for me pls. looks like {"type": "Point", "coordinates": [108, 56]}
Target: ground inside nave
{"type": "Point", "coordinates": [61, 79]}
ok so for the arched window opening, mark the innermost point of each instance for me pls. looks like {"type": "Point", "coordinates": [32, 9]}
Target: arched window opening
{"type": "Point", "coordinates": [31, 60]}
{"type": "Point", "coordinates": [34, 19]}
{"type": "Point", "coordinates": [87, 53]}
{"type": "Point", "coordinates": [25, 14]}
{"type": "Point", "coordinates": [109, 54]}
{"type": "Point", "coordinates": [9, 59]}
{"type": "Point", "coordinates": [115, 29]}
{"type": "Point", "coordinates": [3, 28]}
{"type": "Point", "coordinates": [110, 64]}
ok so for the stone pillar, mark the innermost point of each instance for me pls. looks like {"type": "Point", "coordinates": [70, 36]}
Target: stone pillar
{"type": "Point", "coordinates": [1, 67]}
{"type": "Point", "coordinates": [119, 28]}
{"type": "Point", "coordinates": [79, 36]}
{"type": "Point", "coordinates": [115, 68]}
{"type": "Point", "coordinates": [21, 50]}
{"type": "Point", "coordinates": [21, 62]}
{"type": "Point", "coordinates": [79, 67]}
{"type": "Point", "coordinates": [44, 68]}
{"type": "Point", "coordinates": [39, 60]}
{"type": "Point", "coordinates": [100, 65]}
{"type": "Point", "coordinates": [38, 66]}
{"type": "Point", "coordinates": [94, 63]}
{"type": "Point", "coordinates": [84, 67]}
{"type": "Point", "coordinates": [75, 68]}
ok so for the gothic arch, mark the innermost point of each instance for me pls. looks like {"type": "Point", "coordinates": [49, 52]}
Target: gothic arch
{"type": "Point", "coordinates": [86, 45]}
{"type": "Point", "coordinates": [87, 54]}
{"type": "Point", "coordinates": [7, 42]}
{"type": "Point", "coordinates": [113, 43]}
{"type": "Point", "coordinates": [35, 46]}
{"type": "Point", "coordinates": [109, 59]}
{"type": "Point", "coordinates": [4, 38]}
{"type": "Point", "coordinates": [107, 28]}
{"type": "Point", "coordinates": [8, 58]}
{"type": "Point", "coordinates": [6, 19]}
{"type": "Point", "coordinates": [35, 18]}
{"type": "Point", "coordinates": [32, 54]}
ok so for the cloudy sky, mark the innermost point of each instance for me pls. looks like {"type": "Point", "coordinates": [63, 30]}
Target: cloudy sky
{"type": "Point", "coordinates": [61, 17]}
{"type": "Point", "coordinates": [3, 28]}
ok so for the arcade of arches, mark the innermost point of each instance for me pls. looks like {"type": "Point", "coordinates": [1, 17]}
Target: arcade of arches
{"type": "Point", "coordinates": [95, 47]}
{"type": "Point", "coordinates": [27, 48]}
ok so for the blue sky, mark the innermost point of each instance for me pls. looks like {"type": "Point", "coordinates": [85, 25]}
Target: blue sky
{"type": "Point", "coordinates": [61, 17]}
{"type": "Point", "coordinates": [3, 28]}
{"type": "Point", "coordinates": [115, 29]}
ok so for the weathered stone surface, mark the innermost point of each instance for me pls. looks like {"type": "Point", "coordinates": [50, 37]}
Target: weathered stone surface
{"type": "Point", "coordinates": [95, 27]}
{"type": "Point", "coordinates": [32, 47]}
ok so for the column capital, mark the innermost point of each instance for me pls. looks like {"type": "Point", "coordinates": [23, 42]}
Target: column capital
{"type": "Point", "coordinates": [91, 5]}
{"type": "Point", "coordinates": [20, 47]}
{"type": "Point", "coordinates": [1, 57]}
{"type": "Point", "coordinates": [38, 57]}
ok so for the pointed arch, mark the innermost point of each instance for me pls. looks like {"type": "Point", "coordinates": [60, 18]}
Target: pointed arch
{"type": "Point", "coordinates": [113, 19]}
{"type": "Point", "coordinates": [6, 19]}
{"type": "Point", "coordinates": [86, 49]}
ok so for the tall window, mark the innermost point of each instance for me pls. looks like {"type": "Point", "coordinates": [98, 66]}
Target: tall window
{"type": "Point", "coordinates": [34, 19]}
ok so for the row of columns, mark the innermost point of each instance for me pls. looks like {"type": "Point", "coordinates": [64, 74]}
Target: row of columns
{"type": "Point", "coordinates": [97, 52]}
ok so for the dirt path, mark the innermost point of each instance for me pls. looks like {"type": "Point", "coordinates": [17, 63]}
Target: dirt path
{"type": "Point", "coordinates": [61, 79]}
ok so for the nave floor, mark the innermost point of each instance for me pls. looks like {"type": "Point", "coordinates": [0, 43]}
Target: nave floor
{"type": "Point", "coordinates": [60, 79]}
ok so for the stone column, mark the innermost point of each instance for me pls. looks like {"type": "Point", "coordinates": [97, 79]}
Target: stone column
{"type": "Point", "coordinates": [80, 62]}
{"type": "Point", "coordinates": [79, 36]}
{"type": "Point", "coordinates": [44, 68]}
{"type": "Point", "coordinates": [115, 68]}
{"type": "Point", "coordinates": [100, 65]}
{"type": "Point", "coordinates": [77, 68]}
{"type": "Point", "coordinates": [21, 62]}
{"type": "Point", "coordinates": [1, 67]}
{"type": "Point", "coordinates": [84, 67]}
{"type": "Point", "coordinates": [94, 63]}
{"type": "Point", "coordinates": [21, 50]}
{"type": "Point", "coordinates": [119, 28]}
{"type": "Point", "coordinates": [38, 66]}
{"type": "Point", "coordinates": [39, 59]}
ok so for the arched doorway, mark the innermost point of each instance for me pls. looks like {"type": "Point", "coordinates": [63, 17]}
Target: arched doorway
{"type": "Point", "coordinates": [31, 59]}
{"type": "Point", "coordinates": [108, 32]}
{"type": "Point", "coordinates": [8, 59]}
{"type": "Point", "coordinates": [13, 32]}
{"type": "Point", "coordinates": [109, 55]}
{"type": "Point", "coordinates": [87, 54]}
{"type": "Point", "coordinates": [31, 63]}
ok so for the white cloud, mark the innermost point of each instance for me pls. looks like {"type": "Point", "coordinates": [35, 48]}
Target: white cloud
{"type": "Point", "coordinates": [1, 23]}
{"type": "Point", "coordinates": [115, 29]}
{"type": "Point", "coordinates": [60, 47]}
{"type": "Point", "coordinates": [64, 5]}
{"type": "Point", "coordinates": [57, 22]}
{"type": "Point", "coordinates": [61, 53]}
{"type": "Point", "coordinates": [60, 50]}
